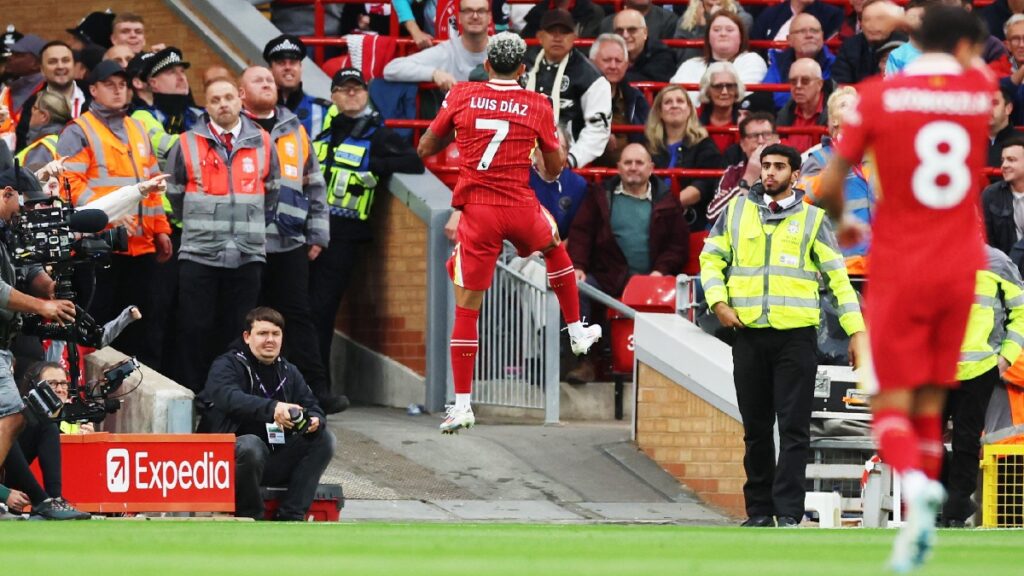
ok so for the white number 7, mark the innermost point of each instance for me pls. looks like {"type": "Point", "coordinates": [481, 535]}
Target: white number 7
{"type": "Point", "coordinates": [500, 128]}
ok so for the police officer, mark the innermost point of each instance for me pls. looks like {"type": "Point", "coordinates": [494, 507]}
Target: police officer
{"type": "Point", "coordinates": [357, 154]}
{"type": "Point", "coordinates": [989, 349]}
{"type": "Point", "coordinates": [759, 269]}
{"type": "Point", "coordinates": [299, 232]}
{"type": "Point", "coordinates": [284, 55]}
{"type": "Point", "coordinates": [13, 302]}
{"type": "Point", "coordinates": [169, 110]}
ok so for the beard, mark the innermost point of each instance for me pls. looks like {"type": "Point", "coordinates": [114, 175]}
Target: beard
{"type": "Point", "coordinates": [776, 189]}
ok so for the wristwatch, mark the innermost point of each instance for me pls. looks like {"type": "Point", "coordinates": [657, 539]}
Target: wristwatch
{"type": "Point", "coordinates": [744, 184]}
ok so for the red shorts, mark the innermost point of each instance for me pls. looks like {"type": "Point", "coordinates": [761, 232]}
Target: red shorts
{"type": "Point", "coordinates": [917, 329]}
{"type": "Point", "coordinates": [479, 239]}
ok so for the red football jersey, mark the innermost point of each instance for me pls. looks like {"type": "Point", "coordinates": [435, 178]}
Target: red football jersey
{"type": "Point", "coordinates": [926, 132]}
{"type": "Point", "coordinates": [497, 125]}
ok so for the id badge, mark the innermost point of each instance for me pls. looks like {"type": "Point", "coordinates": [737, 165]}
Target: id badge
{"type": "Point", "coordinates": [275, 434]}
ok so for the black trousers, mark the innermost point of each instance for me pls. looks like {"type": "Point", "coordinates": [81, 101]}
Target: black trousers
{"type": "Point", "coordinates": [774, 372]}
{"type": "Point", "coordinates": [164, 286]}
{"type": "Point", "coordinates": [42, 441]}
{"type": "Point", "coordinates": [966, 406]}
{"type": "Point", "coordinates": [329, 277]}
{"type": "Point", "coordinates": [212, 303]}
{"type": "Point", "coordinates": [129, 281]}
{"type": "Point", "coordinates": [17, 475]}
{"type": "Point", "coordinates": [286, 289]}
{"type": "Point", "coordinates": [298, 465]}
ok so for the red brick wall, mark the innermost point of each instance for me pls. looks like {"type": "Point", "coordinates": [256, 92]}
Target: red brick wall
{"type": "Point", "coordinates": [385, 306]}
{"type": "Point", "coordinates": [692, 440]}
{"type": "Point", "coordinates": [49, 19]}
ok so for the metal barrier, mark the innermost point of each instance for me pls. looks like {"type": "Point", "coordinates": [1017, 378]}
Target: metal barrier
{"type": "Point", "coordinates": [518, 361]}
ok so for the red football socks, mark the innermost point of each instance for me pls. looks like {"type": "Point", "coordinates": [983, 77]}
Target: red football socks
{"type": "Point", "coordinates": [897, 441]}
{"type": "Point", "coordinates": [562, 278]}
{"type": "Point", "coordinates": [464, 345]}
{"type": "Point", "coordinates": [929, 441]}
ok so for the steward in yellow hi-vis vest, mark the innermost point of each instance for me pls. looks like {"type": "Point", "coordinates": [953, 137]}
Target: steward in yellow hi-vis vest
{"type": "Point", "coordinates": [760, 271]}
{"type": "Point", "coordinates": [995, 335]}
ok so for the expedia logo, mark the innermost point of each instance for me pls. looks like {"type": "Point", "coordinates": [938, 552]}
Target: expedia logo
{"type": "Point", "coordinates": [142, 473]}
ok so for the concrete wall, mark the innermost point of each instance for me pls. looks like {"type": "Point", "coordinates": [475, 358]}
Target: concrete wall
{"type": "Point", "coordinates": [50, 18]}
{"type": "Point", "coordinates": [157, 405]}
{"type": "Point", "coordinates": [686, 415]}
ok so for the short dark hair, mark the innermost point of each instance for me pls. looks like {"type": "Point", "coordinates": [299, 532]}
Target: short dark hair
{"type": "Point", "coordinates": [53, 43]}
{"type": "Point", "coordinates": [1008, 92]}
{"type": "Point", "coordinates": [943, 27]}
{"type": "Point", "coordinates": [34, 373]}
{"type": "Point", "coordinates": [756, 117]}
{"type": "Point", "coordinates": [1013, 141]}
{"type": "Point", "coordinates": [263, 314]}
{"type": "Point", "coordinates": [788, 152]}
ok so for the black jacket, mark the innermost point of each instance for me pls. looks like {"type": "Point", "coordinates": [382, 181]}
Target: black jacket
{"type": "Point", "coordinates": [997, 207]}
{"type": "Point", "coordinates": [657, 63]}
{"type": "Point", "coordinates": [231, 397]}
{"type": "Point", "coordinates": [856, 59]}
{"type": "Point", "coordinates": [704, 154]}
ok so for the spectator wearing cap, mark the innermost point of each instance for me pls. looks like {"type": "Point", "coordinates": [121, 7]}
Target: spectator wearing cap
{"type": "Point", "coordinates": [57, 66]}
{"type": "Point", "coordinates": [106, 149]}
{"type": "Point", "coordinates": [806, 40]}
{"type": "Point", "coordinates": [452, 60]}
{"type": "Point", "coordinates": [50, 114]}
{"type": "Point", "coordinates": [223, 183]}
{"type": "Point", "coordinates": [96, 29]}
{"type": "Point", "coordinates": [300, 230]}
{"type": "Point", "coordinates": [587, 16]}
{"type": "Point", "coordinates": [284, 55]}
{"type": "Point", "coordinates": [650, 60]}
{"type": "Point", "coordinates": [774, 23]}
{"type": "Point", "coordinates": [609, 55]}
{"type": "Point", "coordinates": [580, 95]}
{"type": "Point", "coordinates": [170, 112]}
{"type": "Point", "coordinates": [25, 79]}
{"type": "Point", "coordinates": [357, 154]}
{"type": "Point", "coordinates": [807, 107]}
{"type": "Point", "coordinates": [86, 59]}
{"type": "Point", "coordinates": [129, 30]}
{"type": "Point", "coordinates": [661, 23]}
{"type": "Point", "coordinates": [857, 59]}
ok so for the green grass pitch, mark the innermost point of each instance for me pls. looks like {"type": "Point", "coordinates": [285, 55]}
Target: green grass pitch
{"type": "Point", "coordinates": [114, 547]}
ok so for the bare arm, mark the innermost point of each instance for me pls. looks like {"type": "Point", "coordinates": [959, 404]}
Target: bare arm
{"type": "Point", "coordinates": [431, 144]}
{"type": "Point", "coordinates": [553, 162]}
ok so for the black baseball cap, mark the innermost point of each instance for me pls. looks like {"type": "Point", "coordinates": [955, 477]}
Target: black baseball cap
{"type": "Point", "coordinates": [348, 75]}
{"type": "Point", "coordinates": [284, 46]}
{"type": "Point", "coordinates": [104, 70]}
{"type": "Point", "coordinates": [22, 180]}
{"type": "Point", "coordinates": [553, 18]}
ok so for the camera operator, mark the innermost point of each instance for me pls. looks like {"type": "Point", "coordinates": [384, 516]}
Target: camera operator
{"type": "Point", "coordinates": [14, 301]}
{"type": "Point", "coordinates": [263, 399]}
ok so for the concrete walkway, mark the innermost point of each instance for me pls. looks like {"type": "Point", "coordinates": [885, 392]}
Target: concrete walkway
{"type": "Point", "coordinates": [395, 467]}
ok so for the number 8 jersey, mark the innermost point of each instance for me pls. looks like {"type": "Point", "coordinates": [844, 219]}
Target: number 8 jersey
{"type": "Point", "coordinates": [497, 126]}
{"type": "Point", "coordinates": [926, 133]}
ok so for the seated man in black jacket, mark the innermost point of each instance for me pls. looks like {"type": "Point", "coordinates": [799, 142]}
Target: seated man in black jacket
{"type": "Point", "coordinates": [259, 396]}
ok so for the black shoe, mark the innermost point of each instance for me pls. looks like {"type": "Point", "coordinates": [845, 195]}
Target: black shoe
{"type": "Point", "coordinates": [759, 522]}
{"type": "Point", "coordinates": [57, 509]}
{"type": "Point", "coordinates": [334, 404]}
{"type": "Point", "coordinates": [955, 523]}
{"type": "Point", "coordinates": [787, 522]}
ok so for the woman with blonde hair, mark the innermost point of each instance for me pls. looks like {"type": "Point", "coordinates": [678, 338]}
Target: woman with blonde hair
{"type": "Point", "coordinates": [50, 114]}
{"type": "Point", "coordinates": [676, 139]}
{"type": "Point", "coordinates": [694, 21]}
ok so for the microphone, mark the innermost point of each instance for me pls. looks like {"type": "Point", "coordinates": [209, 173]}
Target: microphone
{"type": "Point", "coordinates": [88, 221]}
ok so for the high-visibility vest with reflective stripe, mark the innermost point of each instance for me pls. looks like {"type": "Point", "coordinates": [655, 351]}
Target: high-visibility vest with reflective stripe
{"type": "Point", "coordinates": [224, 200]}
{"type": "Point", "coordinates": [996, 289]}
{"type": "Point", "coordinates": [292, 205]}
{"type": "Point", "coordinates": [766, 271]}
{"type": "Point", "coordinates": [49, 142]}
{"type": "Point", "coordinates": [114, 164]}
{"type": "Point", "coordinates": [346, 194]}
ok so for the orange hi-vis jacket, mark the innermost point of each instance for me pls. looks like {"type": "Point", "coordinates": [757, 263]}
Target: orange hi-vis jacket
{"type": "Point", "coordinates": [106, 164]}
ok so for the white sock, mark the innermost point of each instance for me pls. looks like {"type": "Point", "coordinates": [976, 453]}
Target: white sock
{"type": "Point", "coordinates": [462, 401]}
{"type": "Point", "coordinates": [576, 330]}
{"type": "Point", "coordinates": [913, 481]}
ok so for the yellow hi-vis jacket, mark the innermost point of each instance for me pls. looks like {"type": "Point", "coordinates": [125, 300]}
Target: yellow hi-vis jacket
{"type": "Point", "coordinates": [998, 301]}
{"type": "Point", "coordinates": [766, 266]}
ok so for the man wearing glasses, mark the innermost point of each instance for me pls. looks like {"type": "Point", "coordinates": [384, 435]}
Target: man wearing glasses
{"type": "Point", "coordinates": [757, 131]}
{"type": "Point", "coordinates": [649, 58]}
{"type": "Point", "coordinates": [807, 107]}
{"type": "Point", "coordinates": [806, 40]}
{"type": "Point", "coordinates": [450, 61]}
